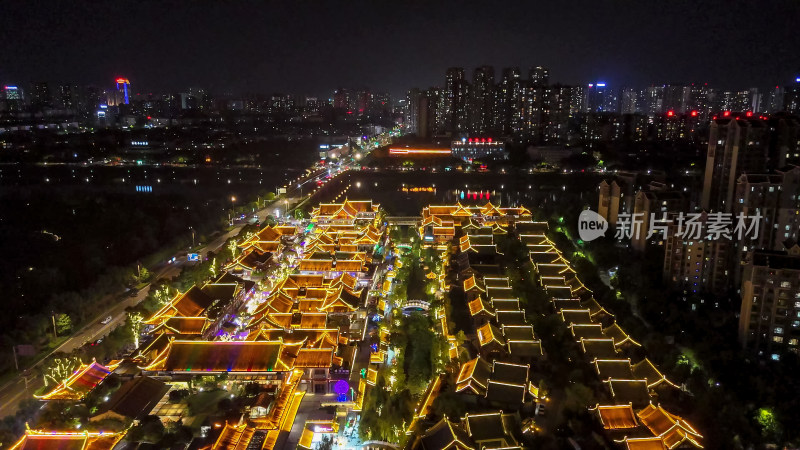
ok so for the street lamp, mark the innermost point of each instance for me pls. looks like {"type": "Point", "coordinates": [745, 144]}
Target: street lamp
{"type": "Point", "coordinates": [193, 244]}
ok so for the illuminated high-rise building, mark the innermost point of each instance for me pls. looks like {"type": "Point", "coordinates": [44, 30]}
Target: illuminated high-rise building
{"type": "Point", "coordinates": [600, 98]}
{"type": "Point", "coordinates": [791, 98]}
{"type": "Point", "coordinates": [735, 146]}
{"type": "Point", "coordinates": [456, 100]}
{"type": "Point", "coordinates": [629, 102]}
{"type": "Point", "coordinates": [122, 88]}
{"type": "Point", "coordinates": [13, 98]}
{"type": "Point", "coordinates": [482, 99]}
{"type": "Point", "coordinates": [769, 320]}
{"type": "Point", "coordinates": [41, 96]}
{"type": "Point", "coordinates": [505, 91]}
{"type": "Point", "coordinates": [539, 76]}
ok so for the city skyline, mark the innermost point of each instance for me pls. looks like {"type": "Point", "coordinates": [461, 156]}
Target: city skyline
{"type": "Point", "coordinates": [313, 49]}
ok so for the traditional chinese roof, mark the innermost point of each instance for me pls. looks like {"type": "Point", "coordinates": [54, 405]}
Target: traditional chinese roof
{"type": "Point", "coordinates": [599, 348]}
{"type": "Point", "coordinates": [234, 437]}
{"type": "Point", "coordinates": [298, 280]}
{"type": "Point", "coordinates": [515, 211]}
{"type": "Point", "coordinates": [525, 349]}
{"type": "Point", "coordinates": [558, 291]}
{"type": "Point", "coordinates": [67, 440]}
{"type": "Point", "coordinates": [632, 392]}
{"type": "Point", "coordinates": [510, 373]}
{"type": "Point", "coordinates": [539, 228]}
{"type": "Point", "coordinates": [619, 336]}
{"type": "Point", "coordinates": [349, 281]}
{"type": "Point", "coordinates": [250, 260]}
{"type": "Point", "coordinates": [488, 333]}
{"type": "Point", "coordinates": [191, 303]}
{"type": "Point", "coordinates": [341, 299]}
{"type": "Point", "coordinates": [645, 369]}
{"type": "Point", "coordinates": [617, 417]}
{"type": "Point", "coordinates": [314, 358]}
{"type": "Point", "coordinates": [83, 380]}
{"type": "Point", "coordinates": [182, 326]}
{"type": "Point", "coordinates": [499, 292]}
{"type": "Point", "coordinates": [134, 399]}
{"type": "Point", "coordinates": [218, 356]}
{"type": "Point", "coordinates": [576, 316]}
{"type": "Point", "coordinates": [508, 393]}
{"type": "Point", "coordinates": [511, 318]}
{"type": "Point", "coordinates": [505, 304]}
{"type": "Point", "coordinates": [446, 435]}
{"type": "Point", "coordinates": [566, 303]}
{"type": "Point", "coordinates": [474, 375]}
{"type": "Point", "coordinates": [309, 338]}
{"type": "Point", "coordinates": [596, 309]}
{"type": "Point", "coordinates": [488, 427]}
{"type": "Point", "coordinates": [613, 368]}
{"type": "Point", "coordinates": [478, 305]}
{"type": "Point", "coordinates": [644, 444]}
{"type": "Point", "coordinates": [586, 330]}
{"type": "Point", "coordinates": [671, 429]}
{"type": "Point", "coordinates": [518, 333]}
{"type": "Point", "coordinates": [349, 209]}
{"type": "Point", "coordinates": [473, 283]}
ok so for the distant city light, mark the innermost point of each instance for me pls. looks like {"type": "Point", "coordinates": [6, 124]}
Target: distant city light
{"type": "Point", "coordinates": [418, 151]}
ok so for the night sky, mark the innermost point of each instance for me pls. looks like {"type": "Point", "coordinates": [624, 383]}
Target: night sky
{"type": "Point", "coordinates": [308, 46]}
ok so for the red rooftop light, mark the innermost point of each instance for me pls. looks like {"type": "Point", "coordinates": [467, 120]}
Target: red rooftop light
{"type": "Point", "coordinates": [694, 113]}
{"type": "Point", "coordinates": [670, 113]}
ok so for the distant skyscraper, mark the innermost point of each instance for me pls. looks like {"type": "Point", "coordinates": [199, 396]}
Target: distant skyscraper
{"type": "Point", "coordinates": [599, 98]}
{"type": "Point", "coordinates": [456, 101]}
{"type": "Point", "coordinates": [772, 101]}
{"type": "Point", "coordinates": [66, 97]}
{"type": "Point", "coordinates": [556, 113]}
{"type": "Point", "coordinates": [676, 98]}
{"type": "Point", "coordinates": [698, 101]}
{"type": "Point", "coordinates": [526, 122]}
{"type": "Point", "coordinates": [653, 101]}
{"type": "Point", "coordinates": [539, 76]}
{"type": "Point", "coordinates": [505, 92]}
{"type": "Point", "coordinates": [791, 98]}
{"type": "Point", "coordinates": [630, 97]}
{"type": "Point", "coordinates": [13, 98]}
{"type": "Point", "coordinates": [343, 100]}
{"type": "Point", "coordinates": [735, 146]}
{"type": "Point", "coordinates": [412, 110]}
{"type": "Point", "coordinates": [482, 100]}
{"type": "Point", "coordinates": [123, 86]}
{"type": "Point", "coordinates": [41, 96]}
